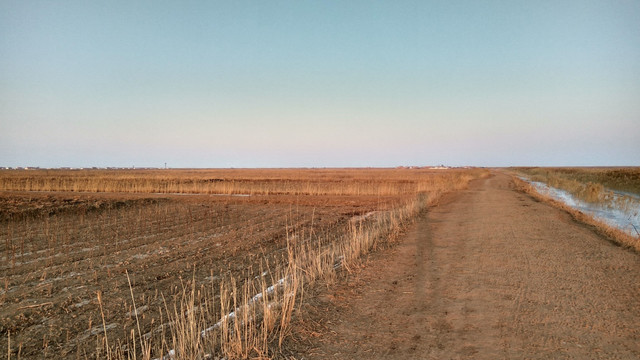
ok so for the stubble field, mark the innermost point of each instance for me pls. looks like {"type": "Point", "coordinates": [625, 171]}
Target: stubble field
{"type": "Point", "coordinates": [114, 264]}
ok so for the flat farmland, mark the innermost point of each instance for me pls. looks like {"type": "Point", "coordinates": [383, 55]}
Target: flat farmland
{"type": "Point", "coordinates": [92, 261]}
{"type": "Point", "coordinates": [492, 272]}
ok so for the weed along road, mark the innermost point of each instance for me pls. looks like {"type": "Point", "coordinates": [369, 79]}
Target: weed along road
{"type": "Point", "coordinates": [489, 273]}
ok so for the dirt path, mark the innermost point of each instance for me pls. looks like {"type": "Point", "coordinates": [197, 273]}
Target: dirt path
{"type": "Point", "coordinates": [488, 274]}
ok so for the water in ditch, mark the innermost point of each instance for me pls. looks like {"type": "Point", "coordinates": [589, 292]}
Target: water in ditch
{"type": "Point", "coordinates": [622, 210]}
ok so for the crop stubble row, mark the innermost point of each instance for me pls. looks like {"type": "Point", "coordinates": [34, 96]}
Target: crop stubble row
{"type": "Point", "coordinates": [63, 260]}
{"type": "Point", "coordinates": [60, 250]}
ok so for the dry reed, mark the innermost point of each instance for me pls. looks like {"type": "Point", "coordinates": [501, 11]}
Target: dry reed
{"type": "Point", "coordinates": [615, 235]}
{"type": "Point", "coordinates": [243, 316]}
{"type": "Point", "coordinates": [377, 182]}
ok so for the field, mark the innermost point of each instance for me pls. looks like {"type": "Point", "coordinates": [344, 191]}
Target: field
{"type": "Point", "coordinates": [376, 182]}
{"type": "Point", "coordinates": [135, 263]}
{"type": "Point", "coordinates": [490, 273]}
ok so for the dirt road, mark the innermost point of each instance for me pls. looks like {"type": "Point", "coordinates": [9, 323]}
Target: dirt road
{"type": "Point", "coordinates": [488, 274]}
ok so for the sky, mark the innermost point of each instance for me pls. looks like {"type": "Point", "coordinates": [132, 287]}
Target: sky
{"type": "Point", "coordinates": [319, 83]}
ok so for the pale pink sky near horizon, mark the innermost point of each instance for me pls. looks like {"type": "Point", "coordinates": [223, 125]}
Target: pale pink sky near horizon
{"type": "Point", "coordinates": [330, 84]}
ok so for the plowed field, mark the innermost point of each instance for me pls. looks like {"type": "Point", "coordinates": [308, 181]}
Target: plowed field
{"type": "Point", "coordinates": [59, 250]}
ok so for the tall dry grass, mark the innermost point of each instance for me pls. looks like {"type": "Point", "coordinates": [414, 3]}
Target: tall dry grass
{"type": "Point", "coordinates": [377, 182]}
{"type": "Point", "coordinates": [578, 182]}
{"type": "Point", "coordinates": [615, 235]}
{"type": "Point", "coordinates": [249, 316]}
{"type": "Point", "coordinates": [589, 184]}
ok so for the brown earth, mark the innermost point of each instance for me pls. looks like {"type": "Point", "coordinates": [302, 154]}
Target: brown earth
{"type": "Point", "coordinates": [490, 273]}
{"type": "Point", "coordinates": [58, 251]}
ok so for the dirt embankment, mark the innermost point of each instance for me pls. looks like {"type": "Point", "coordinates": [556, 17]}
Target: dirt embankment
{"type": "Point", "coordinates": [488, 274]}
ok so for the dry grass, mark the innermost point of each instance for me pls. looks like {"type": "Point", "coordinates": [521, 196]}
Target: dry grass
{"type": "Point", "coordinates": [593, 185]}
{"type": "Point", "coordinates": [377, 182]}
{"type": "Point", "coordinates": [254, 318]}
{"type": "Point", "coordinates": [588, 183]}
{"type": "Point", "coordinates": [229, 248]}
{"type": "Point", "coordinates": [615, 188]}
{"type": "Point", "coordinates": [613, 234]}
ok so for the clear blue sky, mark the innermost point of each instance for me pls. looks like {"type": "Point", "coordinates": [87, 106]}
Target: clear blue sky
{"type": "Point", "coordinates": [319, 83]}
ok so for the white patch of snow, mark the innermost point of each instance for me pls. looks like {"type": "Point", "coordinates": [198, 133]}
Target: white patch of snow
{"type": "Point", "coordinates": [363, 217]}
{"type": "Point", "coordinates": [140, 256]}
{"type": "Point", "coordinates": [257, 297]}
{"type": "Point", "coordinates": [138, 311]}
{"type": "Point", "coordinates": [81, 303]}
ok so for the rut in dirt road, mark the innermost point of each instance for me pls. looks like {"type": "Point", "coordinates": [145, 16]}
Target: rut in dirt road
{"type": "Point", "coordinates": [489, 274]}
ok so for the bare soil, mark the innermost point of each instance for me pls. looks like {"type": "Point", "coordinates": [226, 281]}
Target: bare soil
{"type": "Point", "coordinates": [490, 273]}
{"type": "Point", "coordinates": [58, 251]}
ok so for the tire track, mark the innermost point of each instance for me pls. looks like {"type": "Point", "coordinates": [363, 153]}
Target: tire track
{"type": "Point", "coordinates": [494, 274]}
